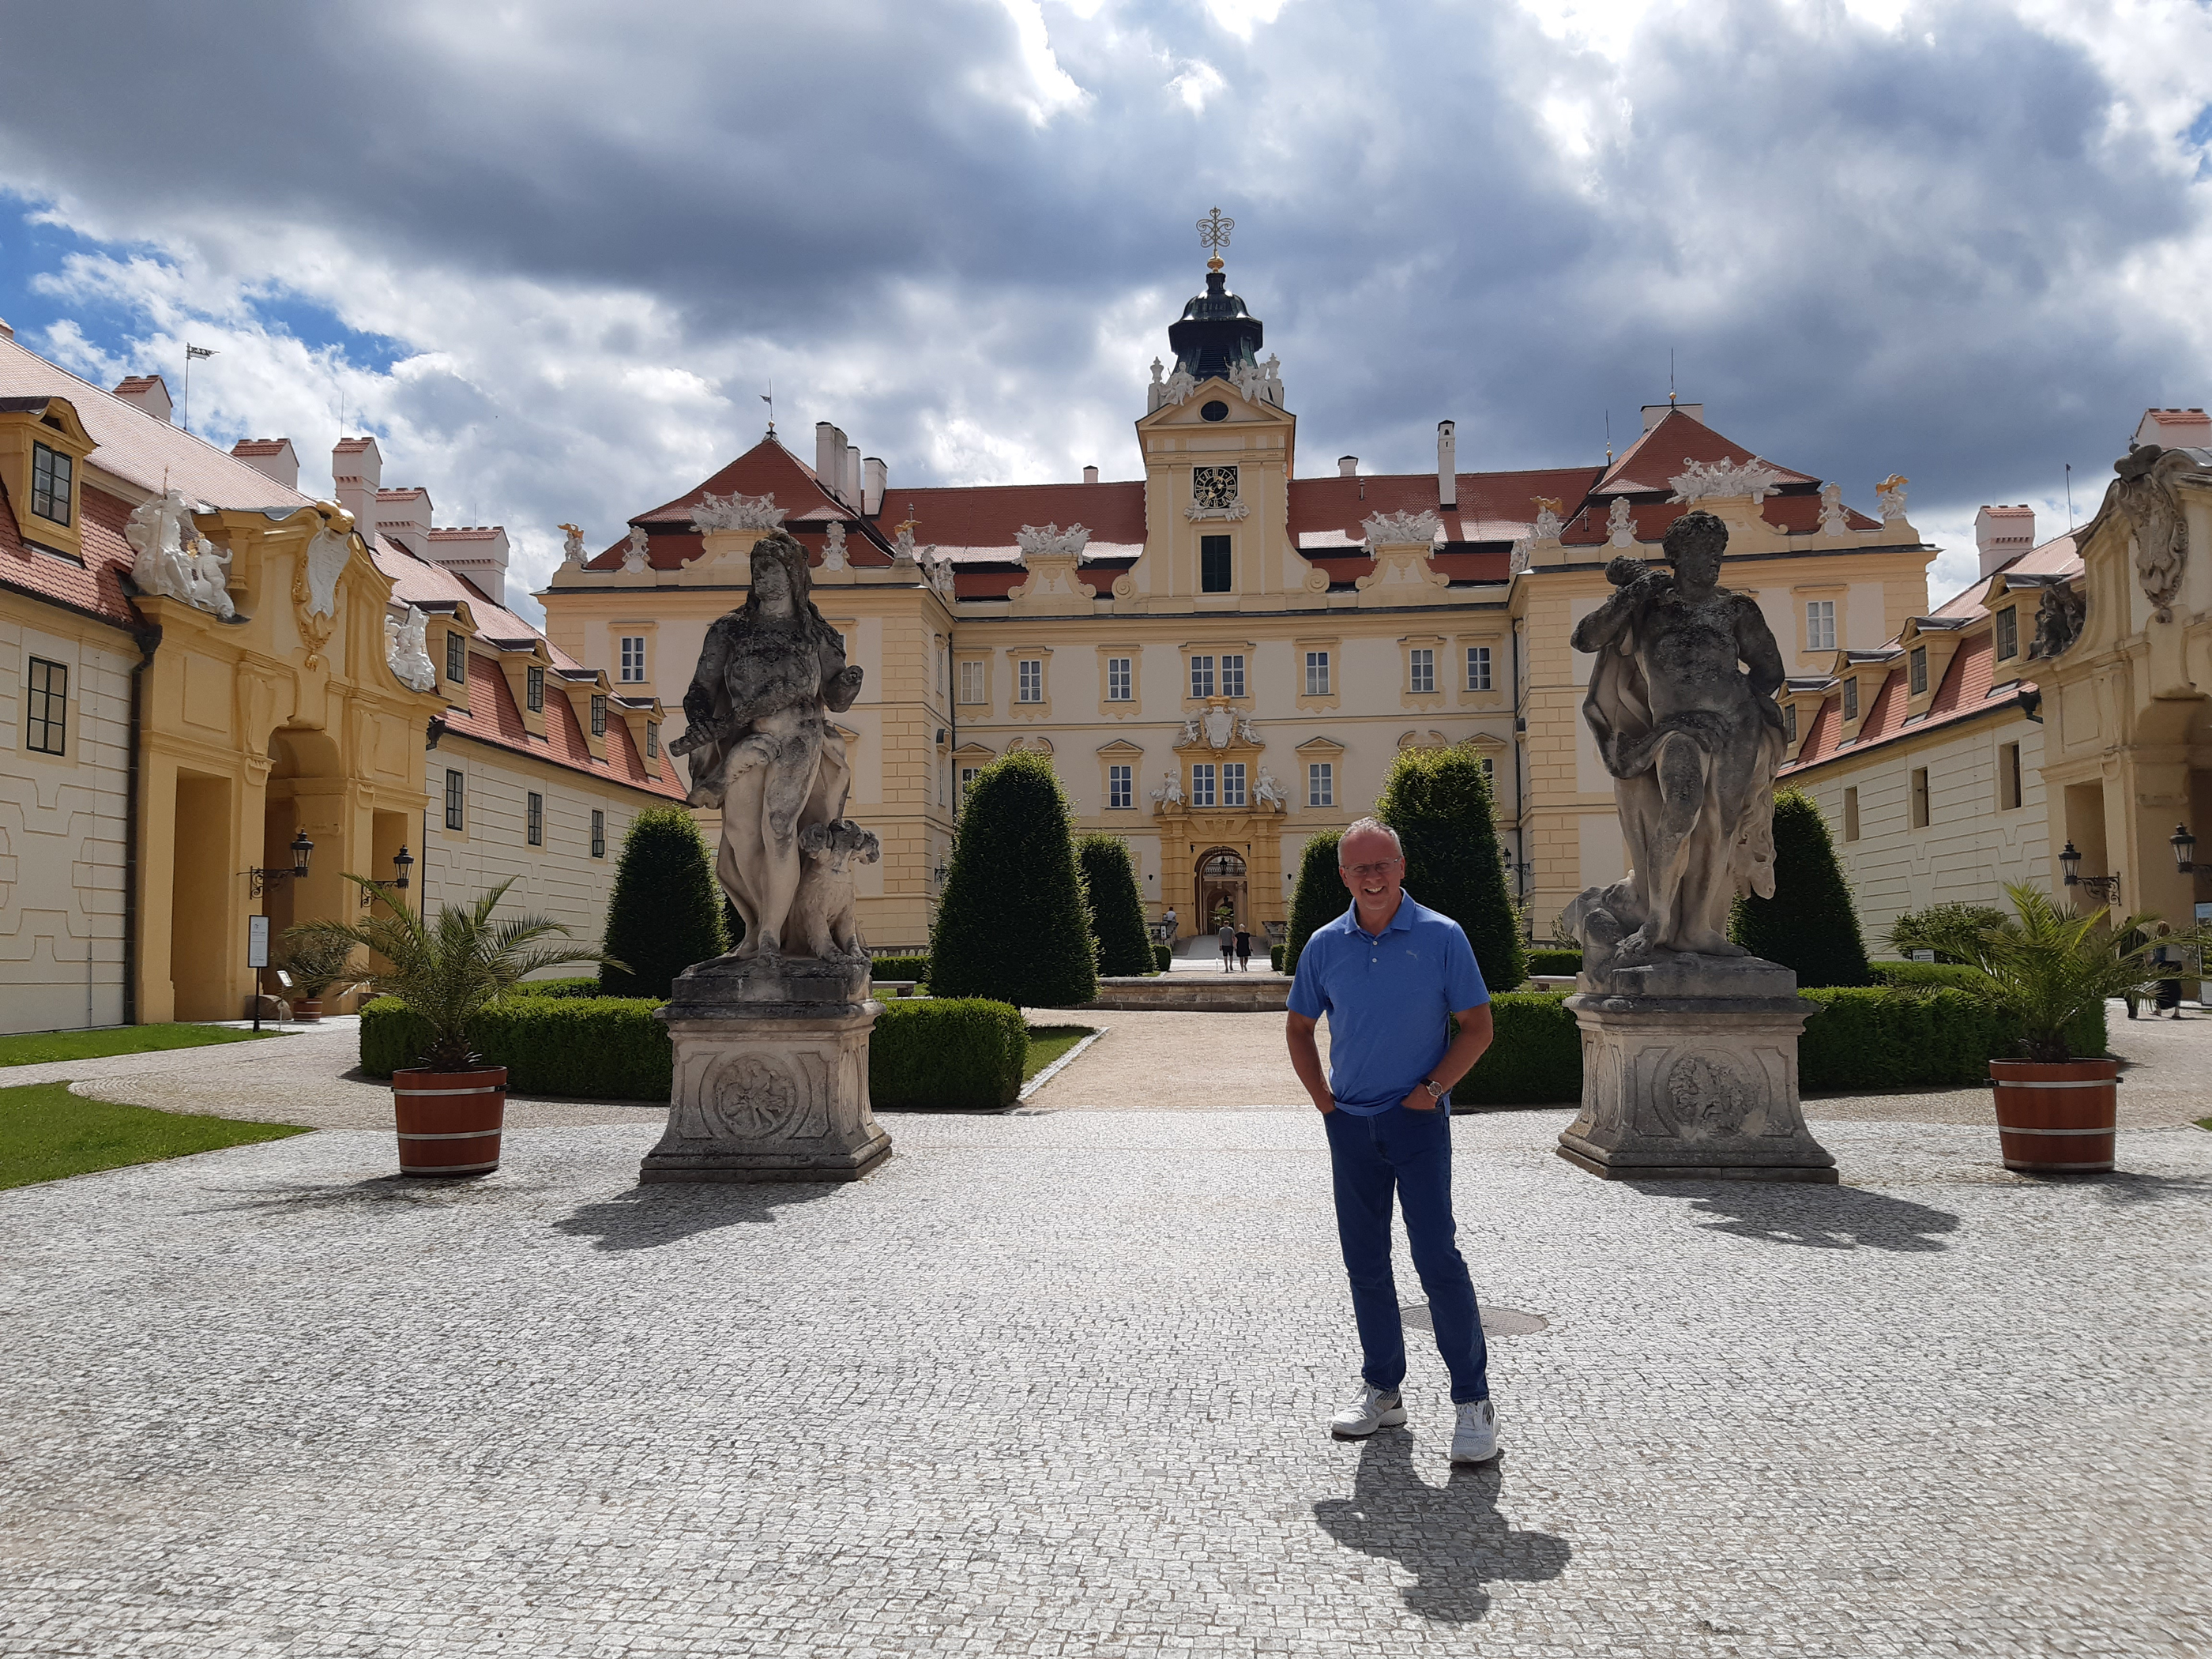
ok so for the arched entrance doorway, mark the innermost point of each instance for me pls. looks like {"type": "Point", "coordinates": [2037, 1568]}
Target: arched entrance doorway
{"type": "Point", "coordinates": [1222, 885]}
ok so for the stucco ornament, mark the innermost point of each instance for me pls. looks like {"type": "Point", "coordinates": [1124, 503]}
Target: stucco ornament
{"type": "Point", "coordinates": [1259, 383]}
{"type": "Point", "coordinates": [762, 744]}
{"type": "Point", "coordinates": [1401, 529]}
{"type": "Point", "coordinates": [833, 547]}
{"type": "Point", "coordinates": [1620, 528]}
{"type": "Point", "coordinates": [1549, 523]}
{"type": "Point", "coordinates": [1247, 732]}
{"type": "Point", "coordinates": [327, 553]}
{"type": "Point", "coordinates": [1692, 742]}
{"type": "Point", "coordinates": [1700, 481]}
{"type": "Point", "coordinates": [572, 546]}
{"type": "Point", "coordinates": [1052, 541]}
{"type": "Point", "coordinates": [1890, 494]}
{"type": "Point", "coordinates": [1169, 792]}
{"type": "Point", "coordinates": [634, 552]}
{"type": "Point", "coordinates": [2058, 621]}
{"type": "Point", "coordinates": [174, 560]}
{"type": "Point", "coordinates": [1220, 725]}
{"type": "Point", "coordinates": [736, 511]}
{"type": "Point", "coordinates": [1835, 518]}
{"type": "Point", "coordinates": [2145, 492]}
{"type": "Point", "coordinates": [1268, 793]}
{"type": "Point", "coordinates": [1178, 388]}
{"type": "Point", "coordinates": [407, 650]}
{"type": "Point", "coordinates": [1516, 560]}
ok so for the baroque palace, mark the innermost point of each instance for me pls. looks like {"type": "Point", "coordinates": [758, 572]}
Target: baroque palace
{"type": "Point", "coordinates": [1222, 656]}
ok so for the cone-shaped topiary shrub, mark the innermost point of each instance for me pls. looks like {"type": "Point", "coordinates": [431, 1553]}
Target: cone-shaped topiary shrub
{"type": "Point", "coordinates": [1117, 909]}
{"type": "Point", "coordinates": [1012, 924]}
{"type": "Point", "coordinates": [666, 909]}
{"type": "Point", "coordinates": [1319, 898]}
{"type": "Point", "coordinates": [1439, 803]}
{"type": "Point", "coordinates": [1810, 924]}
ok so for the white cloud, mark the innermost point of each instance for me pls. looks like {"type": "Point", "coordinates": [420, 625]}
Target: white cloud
{"type": "Point", "coordinates": [1241, 17]}
{"type": "Point", "coordinates": [1043, 89]}
{"type": "Point", "coordinates": [1197, 82]}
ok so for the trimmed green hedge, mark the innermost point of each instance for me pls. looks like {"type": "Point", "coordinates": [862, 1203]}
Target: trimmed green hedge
{"type": "Point", "coordinates": [1535, 1057]}
{"type": "Point", "coordinates": [1275, 957]}
{"type": "Point", "coordinates": [1162, 958]}
{"type": "Point", "coordinates": [608, 1046]}
{"type": "Point", "coordinates": [914, 967]}
{"type": "Point", "coordinates": [950, 1052]}
{"type": "Point", "coordinates": [1928, 976]}
{"type": "Point", "coordinates": [1117, 907]}
{"type": "Point", "coordinates": [1887, 1038]}
{"type": "Point", "coordinates": [1810, 925]}
{"type": "Point", "coordinates": [665, 910]}
{"type": "Point", "coordinates": [557, 987]}
{"type": "Point", "coordinates": [1013, 925]}
{"type": "Point", "coordinates": [1544, 959]}
{"type": "Point", "coordinates": [1439, 802]}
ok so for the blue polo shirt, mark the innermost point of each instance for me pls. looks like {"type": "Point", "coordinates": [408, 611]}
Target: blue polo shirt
{"type": "Point", "coordinates": [1388, 998]}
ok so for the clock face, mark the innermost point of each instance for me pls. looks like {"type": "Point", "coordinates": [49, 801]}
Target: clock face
{"type": "Point", "coordinates": [1213, 486]}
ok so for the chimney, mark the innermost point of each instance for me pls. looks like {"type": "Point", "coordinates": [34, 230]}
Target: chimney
{"type": "Point", "coordinates": [828, 452]}
{"type": "Point", "coordinates": [851, 488]}
{"type": "Point", "coordinates": [2174, 428]}
{"type": "Point", "coordinates": [356, 469]}
{"type": "Point", "coordinates": [6, 332]}
{"type": "Point", "coordinates": [1446, 467]}
{"type": "Point", "coordinates": [1348, 466]}
{"type": "Point", "coordinates": [1090, 475]}
{"type": "Point", "coordinates": [147, 391]}
{"type": "Point", "coordinates": [876, 478]}
{"type": "Point", "coordinates": [404, 516]}
{"type": "Point", "coordinates": [478, 552]}
{"type": "Point", "coordinates": [274, 458]}
{"type": "Point", "coordinates": [2003, 534]}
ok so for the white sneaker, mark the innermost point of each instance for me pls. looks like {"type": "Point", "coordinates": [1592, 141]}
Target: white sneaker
{"type": "Point", "coordinates": [1375, 1408]}
{"type": "Point", "coordinates": [1475, 1438]}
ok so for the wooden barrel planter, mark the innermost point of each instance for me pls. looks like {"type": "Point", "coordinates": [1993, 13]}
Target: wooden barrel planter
{"type": "Point", "coordinates": [2056, 1119]}
{"type": "Point", "coordinates": [449, 1121]}
{"type": "Point", "coordinates": [307, 1009]}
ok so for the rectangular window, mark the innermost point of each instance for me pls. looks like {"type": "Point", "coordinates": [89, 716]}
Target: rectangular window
{"type": "Point", "coordinates": [599, 833]}
{"type": "Point", "coordinates": [2008, 632]}
{"type": "Point", "coordinates": [1819, 624]}
{"type": "Point", "coordinates": [1490, 769]}
{"type": "Point", "coordinates": [1478, 668]}
{"type": "Point", "coordinates": [1317, 673]}
{"type": "Point", "coordinates": [1920, 798]}
{"type": "Point", "coordinates": [536, 827]}
{"type": "Point", "coordinates": [1918, 670]}
{"type": "Point", "coordinates": [1232, 676]}
{"type": "Point", "coordinates": [2009, 791]}
{"type": "Point", "coordinates": [1850, 699]}
{"type": "Point", "coordinates": [46, 729]}
{"type": "Point", "coordinates": [1121, 684]}
{"type": "Point", "coordinates": [1121, 788]}
{"type": "Point", "coordinates": [1850, 815]}
{"type": "Point", "coordinates": [533, 689]}
{"type": "Point", "coordinates": [971, 682]}
{"type": "Point", "coordinates": [598, 716]}
{"type": "Point", "coordinates": [633, 657]}
{"type": "Point", "coordinates": [1202, 676]}
{"type": "Point", "coordinates": [652, 739]}
{"type": "Point", "coordinates": [1421, 669]}
{"type": "Point", "coordinates": [1232, 783]}
{"type": "Point", "coordinates": [457, 800]}
{"type": "Point", "coordinates": [456, 656]}
{"type": "Point", "coordinates": [967, 779]}
{"type": "Point", "coordinates": [1030, 680]}
{"type": "Point", "coordinates": [1320, 783]}
{"type": "Point", "coordinates": [1213, 564]}
{"type": "Point", "coordinates": [1790, 723]}
{"type": "Point", "coordinates": [1202, 784]}
{"type": "Point", "coordinates": [49, 483]}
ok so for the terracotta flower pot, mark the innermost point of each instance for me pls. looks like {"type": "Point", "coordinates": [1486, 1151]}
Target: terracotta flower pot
{"type": "Point", "coordinates": [449, 1121]}
{"type": "Point", "coordinates": [2056, 1119]}
{"type": "Point", "coordinates": [307, 1009]}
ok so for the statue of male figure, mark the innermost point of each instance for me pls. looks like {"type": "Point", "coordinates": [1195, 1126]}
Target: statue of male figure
{"type": "Point", "coordinates": [1691, 741]}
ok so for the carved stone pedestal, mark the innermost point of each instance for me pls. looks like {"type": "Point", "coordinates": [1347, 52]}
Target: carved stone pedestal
{"type": "Point", "coordinates": [771, 1074]}
{"type": "Point", "coordinates": [1690, 1073]}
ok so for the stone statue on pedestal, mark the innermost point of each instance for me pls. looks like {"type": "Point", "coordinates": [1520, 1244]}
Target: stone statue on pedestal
{"type": "Point", "coordinates": [1690, 1044]}
{"type": "Point", "coordinates": [771, 1040]}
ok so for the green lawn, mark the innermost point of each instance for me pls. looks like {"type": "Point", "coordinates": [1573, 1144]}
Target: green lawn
{"type": "Point", "coordinates": [2204, 1122]}
{"type": "Point", "coordinates": [47, 1133]}
{"type": "Point", "coordinates": [1048, 1043]}
{"type": "Point", "coordinates": [42, 1047]}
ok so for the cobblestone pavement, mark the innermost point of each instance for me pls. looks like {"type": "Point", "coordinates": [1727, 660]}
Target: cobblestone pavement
{"type": "Point", "coordinates": [1054, 1384]}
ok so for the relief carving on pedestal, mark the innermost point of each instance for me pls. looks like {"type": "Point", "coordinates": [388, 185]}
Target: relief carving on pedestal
{"type": "Point", "coordinates": [1708, 1096]}
{"type": "Point", "coordinates": [747, 1098]}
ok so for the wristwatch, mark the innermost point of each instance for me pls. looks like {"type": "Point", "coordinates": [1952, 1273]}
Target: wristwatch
{"type": "Point", "coordinates": [1436, 1089]}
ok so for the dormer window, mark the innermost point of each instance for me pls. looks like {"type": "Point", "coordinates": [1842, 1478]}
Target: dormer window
{"type": "Point", "coordinates": [456, 656]}
{"type": "Point", "coordinates": [533, 689]}
{"type": "Point", "coordinates": [1919, 670]}
{"type": "Point", "coordinates": [2008, 633]}
{"type": "Point", "coordinates": [1850, 700]}
{"type": "Point", "coordinates": [598, 717]}
{"type": "Point", "coordinates": [1789, 721]}
{"type": "Point", "coordinates": [652, 739]}
{"type": "Point", "coordinates": [51, 472]}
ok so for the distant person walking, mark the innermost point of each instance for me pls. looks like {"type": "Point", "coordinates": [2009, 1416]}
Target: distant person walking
{"type": "Point", "coordinates": [1228, 938]}
{"type": "Point", "coordinates": [1388, 973]}
{"type": "Point", "coordinates": [1243, 950]}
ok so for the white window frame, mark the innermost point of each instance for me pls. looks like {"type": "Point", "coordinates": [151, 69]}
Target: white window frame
{"type": "Point", "coordinates": [1028, 679]}
{"type": "Point", "coordinates": [974, 683]}
{"type": "Point", "coordinates": [631, 653]}
{"type": "Point", "coordinates": [1201, 783]}
{"type": "Point", "coordinates": [1232, 783]}
{"type": "Point", "coordinates": [1478, 668]}
{"type": "Point", "coordinates": [1232, 674]}
{"type": "Point", "coordinates": [1317, 674]}
{"type": "Point", "coordinates": [1421, 670]}
{"type": "Point", "coordinates": [1819, 624]}
{"type": "Point", "coordinates": [1121, 788]}
{"type": "Point", "coordinates": [1201, 678]}
{"type": "Point", "coordinates": [1320, 783]}
{"type": "Point", "coordinates": [1121, 679]}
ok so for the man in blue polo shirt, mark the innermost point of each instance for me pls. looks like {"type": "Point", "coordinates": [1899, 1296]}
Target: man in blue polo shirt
{"type": "Point", "coordinates": [1388, 973]}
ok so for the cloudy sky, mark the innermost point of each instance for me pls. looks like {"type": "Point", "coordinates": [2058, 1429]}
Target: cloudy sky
{"type": "Point", "coordinates": [551, 254]}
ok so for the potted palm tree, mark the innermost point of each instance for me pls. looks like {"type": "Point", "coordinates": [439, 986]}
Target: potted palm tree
{"type": "Point", "coordinates": [450, 1107]}
{"type": "Point", "coordinates": [316, 966]}
{"type": "Point", "coordinates": [2056, 1111]}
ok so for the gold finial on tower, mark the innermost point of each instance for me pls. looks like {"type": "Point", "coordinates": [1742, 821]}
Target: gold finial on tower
{"type": "Point", "coordinates": [1213, 231]}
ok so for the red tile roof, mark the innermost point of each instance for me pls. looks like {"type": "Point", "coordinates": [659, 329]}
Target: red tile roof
{"type": "Point", "coordinates": [767, 469]}
{"type": "Point", "coordinates": [492, 717]}
{"type": "Point", "coordinates": [1963, 694]}
{"type": "Point", "coordinates": [1654, 460]}
{"type": "Point", "coordinates": [987, 515]}
{"type": "Point", "coordinates": [95, 586]}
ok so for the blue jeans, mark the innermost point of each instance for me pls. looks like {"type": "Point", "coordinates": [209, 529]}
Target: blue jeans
{"type": "Point", "coordinates": [1409, 1153]}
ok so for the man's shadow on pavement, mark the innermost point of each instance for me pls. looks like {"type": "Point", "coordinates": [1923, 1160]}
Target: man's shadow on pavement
{"type": "Point", "coordinates": [1821, 1218]}
{"type": "Point", "coordinates": [646, 1217]}
{"type": "Point", "coordinates": [1451, 1538]}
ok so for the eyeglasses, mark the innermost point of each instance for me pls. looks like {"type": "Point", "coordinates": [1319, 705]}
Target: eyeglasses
{"type": "Point", "coordinates": [1369, 871]}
